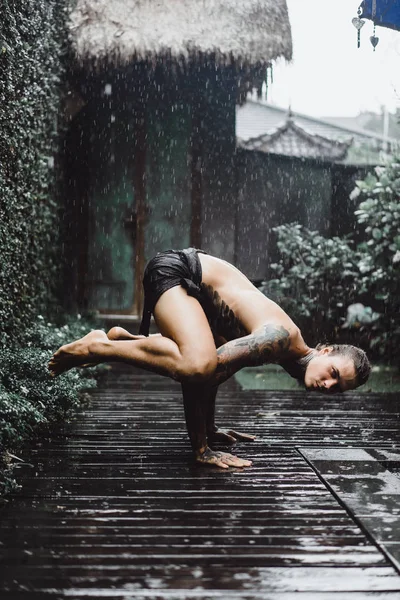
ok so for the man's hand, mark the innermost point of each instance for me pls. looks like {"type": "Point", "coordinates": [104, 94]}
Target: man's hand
{"type": "Point", "coordinates": [221, 459]}
{"type": "Point", "coordinates": [229, 436]}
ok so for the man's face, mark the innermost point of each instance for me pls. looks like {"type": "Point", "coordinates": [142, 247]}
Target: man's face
{"type": "Point", "coordinates": [329, 373]}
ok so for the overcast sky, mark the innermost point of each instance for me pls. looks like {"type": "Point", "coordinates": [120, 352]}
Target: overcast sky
{"type": "Point", "coordinates": [329, 75]}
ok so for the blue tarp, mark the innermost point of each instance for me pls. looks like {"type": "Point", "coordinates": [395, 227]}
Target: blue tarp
{"type": "Point", "coordinates": [387, 12]}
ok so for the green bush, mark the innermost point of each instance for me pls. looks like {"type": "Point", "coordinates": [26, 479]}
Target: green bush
{"type": "Point", "coordinates": [31, 401]}
{"type": "Point", "coordinates": [315, 280]}
{"type": "Point", "coordinates": [33, 47]}
{"type": "Point", "coordinates": [379, 215]}
{"type": "Point", "coordinates": [318, 278]}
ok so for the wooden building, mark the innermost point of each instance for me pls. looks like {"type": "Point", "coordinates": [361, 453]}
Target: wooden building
{"type": "Point", "coordinates": [151, 144]}
{"type": "Point", "coordinates": [295, 168]}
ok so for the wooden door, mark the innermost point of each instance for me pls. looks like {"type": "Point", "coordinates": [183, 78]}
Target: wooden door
{"type": "Point", "coordinates": [111, 210]}
{"type": "Point", "coordinates": [140, 195]}
{"type": "Point", "coordinates": [168, 184]}
{"type": "Point", "coordinates": [163, 198]}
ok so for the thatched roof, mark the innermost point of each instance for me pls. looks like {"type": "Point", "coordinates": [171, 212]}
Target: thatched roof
{"type": "Point", "coordinates": [247, 32]}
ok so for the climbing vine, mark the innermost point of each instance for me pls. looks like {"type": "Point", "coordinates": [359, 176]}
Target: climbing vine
{"type": "Point", "coordinates": [32, 45]}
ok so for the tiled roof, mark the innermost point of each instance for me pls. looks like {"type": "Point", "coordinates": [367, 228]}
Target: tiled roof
{"type": "Point", "coordinates": [292, 140]}
{"type": "Point", "coordinates": [257, 118]}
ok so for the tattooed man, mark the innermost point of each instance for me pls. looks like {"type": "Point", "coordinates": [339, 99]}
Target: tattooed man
{"type": "Point", "coordinates": [212, 322]}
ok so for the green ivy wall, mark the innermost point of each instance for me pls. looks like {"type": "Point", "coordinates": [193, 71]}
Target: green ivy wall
{"type": "Point", "coordinates": [32, 47]}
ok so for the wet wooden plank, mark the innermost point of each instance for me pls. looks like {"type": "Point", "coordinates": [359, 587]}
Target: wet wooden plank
{"type": "Point", "coordinates": [118, 509]}
{"type": "Point", "coordinates": [214, 582]}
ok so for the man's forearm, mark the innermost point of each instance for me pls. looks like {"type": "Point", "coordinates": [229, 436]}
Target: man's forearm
{"type": "Point", "coordinates": [195, 415]}
{"type": "Point", "coordinates": [209, 398]}
{"type": "Point", "coordinates": [268, 344]}
{"type": "Point", "coordinates": [199, 405]}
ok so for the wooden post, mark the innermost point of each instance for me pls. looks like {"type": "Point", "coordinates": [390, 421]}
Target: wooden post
{"type": "Point", "coordinates": [139, 184]}
{"type": "Point", "coordinates": [196, 166]}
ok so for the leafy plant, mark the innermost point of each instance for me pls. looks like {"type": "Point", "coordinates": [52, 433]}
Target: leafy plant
{"type": "Point", "coordinates": [315, 279]}
{"type": "Point", "coordinates": [318, 279]}
{"type": "Point", "coordinates": [31, 401]}
{"type": "Point", "coordinates": [379, 215]}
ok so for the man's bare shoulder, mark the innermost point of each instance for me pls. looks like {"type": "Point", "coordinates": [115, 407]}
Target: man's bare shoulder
{"type": "Point", "coordinates": [217, 272]}
{"type": "Point", "coordinates": [255, 310]}
{"type": "Point", "coordinates": [250, 306]}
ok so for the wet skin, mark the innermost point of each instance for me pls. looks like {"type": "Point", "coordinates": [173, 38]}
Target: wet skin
{"type": "Point", "coordinates": [266, 343]}
{"type": "Point", "coordinates": [251, 329]}
{"type": "Point", "coordinates": [330, 373]}
{"type": "Point", "coordinates": [324, 373]}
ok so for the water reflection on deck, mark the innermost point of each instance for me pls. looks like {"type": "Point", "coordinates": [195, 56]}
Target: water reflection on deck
{"type": "Point", "coordinates": [119, 510]}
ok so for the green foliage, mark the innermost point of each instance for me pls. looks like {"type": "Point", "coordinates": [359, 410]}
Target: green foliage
{"type": "Point", "coordinates": [32, 43]}
{"type": "Point", "coordinates": [316, 279]}
{"type": "Point", "coordinates": [379, 215]}
{"type": "Point", "coordinates": [31, 401]}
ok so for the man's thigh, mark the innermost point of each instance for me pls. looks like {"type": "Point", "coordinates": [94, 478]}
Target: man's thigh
{"type": "Point", "coordinates": [181, 318]}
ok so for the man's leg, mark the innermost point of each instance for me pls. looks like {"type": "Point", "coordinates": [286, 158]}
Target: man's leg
{"type": "Point", "coordinates": [185, 350]}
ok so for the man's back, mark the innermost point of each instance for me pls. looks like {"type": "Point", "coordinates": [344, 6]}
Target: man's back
{"type": "Point", "coordinates": [230, 290]}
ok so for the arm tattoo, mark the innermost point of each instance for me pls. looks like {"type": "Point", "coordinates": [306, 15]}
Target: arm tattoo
{"type": "Point", "coordinates": [268, 344]}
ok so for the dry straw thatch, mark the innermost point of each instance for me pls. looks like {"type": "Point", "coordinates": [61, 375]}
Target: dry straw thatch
{"type": "Point", "coordinates": [246, 32]}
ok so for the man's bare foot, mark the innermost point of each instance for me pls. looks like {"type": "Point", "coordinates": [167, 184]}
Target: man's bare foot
{"type": "Point", "coordinates": [76, 354]}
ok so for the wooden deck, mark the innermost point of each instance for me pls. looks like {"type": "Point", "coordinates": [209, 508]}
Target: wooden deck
{"type": "Point", "coordinates": [118, 509]}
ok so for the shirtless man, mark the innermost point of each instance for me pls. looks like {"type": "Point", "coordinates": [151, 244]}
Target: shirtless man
{"type": "Point", "coordinates": [213, 322]}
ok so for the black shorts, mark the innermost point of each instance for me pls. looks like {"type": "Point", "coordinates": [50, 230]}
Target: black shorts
{"type": "Point", "coordinates": [165, 271]}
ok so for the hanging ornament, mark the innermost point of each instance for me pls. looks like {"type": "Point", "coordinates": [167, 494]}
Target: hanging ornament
{"type": "Point", "coordinates": [358, 24]}
{"type": "Point", "coordinates": [374, 39]}
{"type": "Point", "coordinates": [269, 78]}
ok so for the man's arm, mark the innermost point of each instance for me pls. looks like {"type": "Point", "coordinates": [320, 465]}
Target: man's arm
{"type": "Point", "coordinates": [196, 401]}
{"type": "Point", "coordinates": [214, 433]}
{"type": "Point", "coordinates": [210, 410]}
{"type": "Point", "coordinates": [268, 344]}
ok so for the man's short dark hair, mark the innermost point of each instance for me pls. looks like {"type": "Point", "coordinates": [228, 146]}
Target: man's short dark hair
{"type": "Point", "coordinates": [358, 356]}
